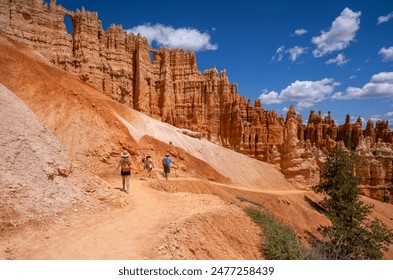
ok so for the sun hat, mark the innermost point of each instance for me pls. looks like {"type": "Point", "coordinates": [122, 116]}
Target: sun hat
{"type": "Point", "coordinates": [125, 154]}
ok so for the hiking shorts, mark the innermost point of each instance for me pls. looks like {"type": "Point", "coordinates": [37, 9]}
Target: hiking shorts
{"type": "Point", "coordinates": [122, 173]}
{"type": "Point", "coordinates": [167, 169]}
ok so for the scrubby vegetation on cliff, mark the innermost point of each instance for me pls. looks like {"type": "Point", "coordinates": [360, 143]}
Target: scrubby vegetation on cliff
{"type": "Point", "coordinates": [280, 241]}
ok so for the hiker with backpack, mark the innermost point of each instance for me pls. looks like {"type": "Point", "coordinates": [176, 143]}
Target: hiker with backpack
{"type": "Point", "coordinates": [125, 173]}
{"type": "Point", "coordinates": [166, 163]}
{"type": "Point", "coordinates": [148, 165]}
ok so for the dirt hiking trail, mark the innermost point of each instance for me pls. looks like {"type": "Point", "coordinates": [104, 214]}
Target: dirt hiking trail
{"type": "Point", "coordinates": [132, 232]}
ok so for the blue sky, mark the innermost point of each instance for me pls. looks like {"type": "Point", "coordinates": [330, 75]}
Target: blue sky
{"type": "Point", "coordinates": [332, 55]}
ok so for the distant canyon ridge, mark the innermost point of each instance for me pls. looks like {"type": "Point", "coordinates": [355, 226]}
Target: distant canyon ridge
{"type": "Point", "coordinates": [167, 85]}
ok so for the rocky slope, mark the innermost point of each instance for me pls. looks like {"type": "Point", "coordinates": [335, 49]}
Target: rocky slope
{"type": "Point", "coordinates": [39, 181]}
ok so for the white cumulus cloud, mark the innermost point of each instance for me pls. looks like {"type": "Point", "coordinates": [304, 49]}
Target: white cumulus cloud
{"type": "Point", "coordinates": [285, 110]}
{"type": "Point", "coordinates": [389, 114]}
{"type": "Point", "coordinates": [386, 53]}
{"type": "Point", "coordinates": [386, 18]}
{"type": "Point", "coordinates": [341, 33]}
{"type": "Point", "coordinates": [300, 32]}
{"type": "Point", "coordinates": [295, 52]}
{"type": "Point", "coordinates": [380, 86]}
{"type": "Point", "coordinates": [183, 38]}
{"type": "Point", "coordinates": [339, 60]}
{"type": "Point", "coordinates": [375, 118]}
{"type": "Point", "coordinates": [270, 97]}
{"type": "Point", "coordinates": [304, 93]}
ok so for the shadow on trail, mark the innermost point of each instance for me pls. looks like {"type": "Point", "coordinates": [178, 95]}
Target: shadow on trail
{"type": "Point", "coordinates": [120, 189]}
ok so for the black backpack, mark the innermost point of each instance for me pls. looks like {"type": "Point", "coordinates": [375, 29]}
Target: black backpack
{"type": "Point", "coordinates": [165, 162]}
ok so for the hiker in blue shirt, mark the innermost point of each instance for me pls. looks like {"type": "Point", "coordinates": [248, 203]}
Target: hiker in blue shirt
{"type": "Point", "coordinates": [166, 163]}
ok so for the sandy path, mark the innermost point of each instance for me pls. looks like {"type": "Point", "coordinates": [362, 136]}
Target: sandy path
{"type": "Point", "coordinates": [121, 234]}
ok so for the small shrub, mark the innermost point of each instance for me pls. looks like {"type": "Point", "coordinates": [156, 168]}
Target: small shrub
{"type": "Point", "coordinates": [281, 243]}
{"type": "Point", "coordinates": [122, 99]}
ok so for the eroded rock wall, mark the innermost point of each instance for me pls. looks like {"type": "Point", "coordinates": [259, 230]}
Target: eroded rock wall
{"type": "Point", "coordinates": [163, 83]}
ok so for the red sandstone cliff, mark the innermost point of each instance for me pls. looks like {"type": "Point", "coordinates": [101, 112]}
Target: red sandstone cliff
{"type": "Point", "coordinates": [167, 85]}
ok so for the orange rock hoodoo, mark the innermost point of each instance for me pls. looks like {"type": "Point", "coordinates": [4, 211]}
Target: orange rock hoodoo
{"type": "Point", "coordinates": [166, 84]}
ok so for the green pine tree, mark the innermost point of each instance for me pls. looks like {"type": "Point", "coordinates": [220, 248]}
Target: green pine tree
{"type": "Point", "coordinates": [352, 235]}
